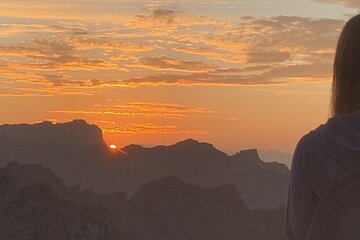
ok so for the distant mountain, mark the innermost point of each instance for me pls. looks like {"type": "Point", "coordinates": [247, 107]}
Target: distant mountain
{"type": "Point", "coordinates": [263, 185]}
{"type": "Point", "coordinates": [93, 165]}
{"type": "Point", "coordinates": [163, 209]}
{"type": "Point", "coordinates": [32, 174]}
{"type": "Point", "coordinates": [73, 134]}
{"type": "Point", "coordinates": [251, 157]}
{"type": "Point", "coordinates": [171, 209]}
{"type": "Point", "coordinates": [271, 155]}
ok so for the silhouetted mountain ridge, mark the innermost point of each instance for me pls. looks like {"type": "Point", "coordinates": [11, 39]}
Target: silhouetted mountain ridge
{"type": "Point", "coordinates": [251, 157]}
{"type": "Point", "coordinates": [76, 133]}
{"type": "Point", "coordinates": [93, 165]}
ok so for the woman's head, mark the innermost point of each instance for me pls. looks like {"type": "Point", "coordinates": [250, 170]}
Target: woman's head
{"type": "Point", "coordinates": [346, 79]}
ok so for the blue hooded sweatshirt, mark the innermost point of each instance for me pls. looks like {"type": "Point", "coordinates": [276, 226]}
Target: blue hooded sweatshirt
{"type": "Point", "coordinates": [319, 155]}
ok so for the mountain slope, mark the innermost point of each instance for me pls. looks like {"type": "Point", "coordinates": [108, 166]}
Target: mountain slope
{"type": "Point", "coordinates": [171, 209]}
{"type": "Point", "coordinates": [38, 212]}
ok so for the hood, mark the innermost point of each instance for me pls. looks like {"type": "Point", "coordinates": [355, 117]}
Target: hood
{"type": "Point", "coordinates": [339, 139]}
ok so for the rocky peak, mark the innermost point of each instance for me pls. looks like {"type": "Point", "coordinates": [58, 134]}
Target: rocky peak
{"type": "Point", "coordinates": [248, 156]}
{"type": "Point", "coordinates": [77, 133]}
{"type": "Point", "coordinates": [190, 143]}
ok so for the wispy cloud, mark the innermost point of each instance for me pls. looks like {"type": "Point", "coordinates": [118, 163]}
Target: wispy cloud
{"type": "Point", "coordinates": [349, 3]}
{"type": "Point", "coordinates": [149, 128]}
{"type": "Point", "coordinates": [197, 80]}
{"type": "Point", "coordinates": [172, 64]}
{"type": "Point", "coordinates": [104, 115]}
{"type": "Point", "coordinates": [143, 109]}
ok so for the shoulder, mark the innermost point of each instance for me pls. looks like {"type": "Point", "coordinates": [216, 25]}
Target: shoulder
{"type": "Point", "coordinates": [307, 147]}
{"type": "Point", "coordinates": [309, 141]}
{"type": "Point", "coordinates": [306, 143]}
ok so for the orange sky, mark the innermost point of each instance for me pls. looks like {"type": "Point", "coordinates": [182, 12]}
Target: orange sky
{"type": "Point", "coordinates": [238, 74]}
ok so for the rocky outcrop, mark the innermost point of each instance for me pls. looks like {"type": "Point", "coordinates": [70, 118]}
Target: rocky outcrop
{"type": "Point", "coordinates": [77, 133]}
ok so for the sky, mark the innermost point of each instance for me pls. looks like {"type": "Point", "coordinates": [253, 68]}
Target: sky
{"type": "Point", "coordinates": [236, 73]}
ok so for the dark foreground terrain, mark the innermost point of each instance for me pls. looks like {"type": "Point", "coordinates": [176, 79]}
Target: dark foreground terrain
{"type": "Point", "coordinates": [35, 204]}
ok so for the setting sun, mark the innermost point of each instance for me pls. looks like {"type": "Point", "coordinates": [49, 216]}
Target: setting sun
{"type": "Point", "coordinates": [113, 146]}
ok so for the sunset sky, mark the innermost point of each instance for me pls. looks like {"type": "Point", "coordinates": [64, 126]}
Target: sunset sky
{"type": "Point", "coordinates": [235, 73]}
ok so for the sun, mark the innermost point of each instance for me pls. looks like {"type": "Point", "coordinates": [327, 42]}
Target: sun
{"type": "Point", "coordinates": [112, 146]}
{"type": "Point", "coordinates": [116, 149]}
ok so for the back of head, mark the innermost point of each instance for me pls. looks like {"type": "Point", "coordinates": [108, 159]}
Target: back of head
{"type": "Point", "coordinates": [346, 78]}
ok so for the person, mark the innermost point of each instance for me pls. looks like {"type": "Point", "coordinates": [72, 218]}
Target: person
{"type": "Point", "coordinates": [324, 152]}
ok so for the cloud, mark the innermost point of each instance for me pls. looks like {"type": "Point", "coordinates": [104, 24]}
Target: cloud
{"type": "Point", "coordinates": [14, 29]}
{"type": "Point", "coordinates": [143, 109]}
{"type": "Point", "coordinates": [200, 79]}
{"type": "Point", "coordinates": [168, 47]}
{"type": "Point", "coordinates": [63, 80]}
{"type": "Point", "coordinates": [66, 46]}
{"type": "Point", "coordinates": [164, 15]}
{"type": "Point", "coordinates": [17, 94]}
{"type": "Point", "coordinates": [23, 92]}
{"type": "Point", "coordinates": [63, 63]}
{"type": "Point", "coordinates": [302, 71]}
{"type": "Point", "coordinates": [280, 75]}
{"type": "Point", "coordinates": [108, 44]}
{"type": "Point", "coordinates": [165, 63]}
{"type": "Point", "coordinates": [33, 61]}
{"type": "Point", "coordinates": [21, 51]}
{"type": "Point", "coordinates": [106, 10]}
{"type": "Point", "coordinates": [273, 56]}
{"type": "Point", "coordinates": [348, 3]}
{"type": "Point", "coordinates": [162, 22]}
{"type": "Point", "coordinates": [138, 111]}
{"type": "Point", "coordinates": [267, 40]}
{"type": "Point", "coordinates": [208, 52]}
{"type": "Point", "coordinates": [149, 128]}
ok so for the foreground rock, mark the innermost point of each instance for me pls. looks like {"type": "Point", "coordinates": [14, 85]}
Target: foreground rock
{"type": "Point", "coordinates": [38, 212]}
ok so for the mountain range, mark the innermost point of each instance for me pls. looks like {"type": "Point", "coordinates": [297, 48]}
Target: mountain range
{"type": "Point", "coordinates": [77, 152]}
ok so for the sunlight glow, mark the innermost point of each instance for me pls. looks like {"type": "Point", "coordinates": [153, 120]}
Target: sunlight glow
{"type": "Point", "coordinates": [113, 146]}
